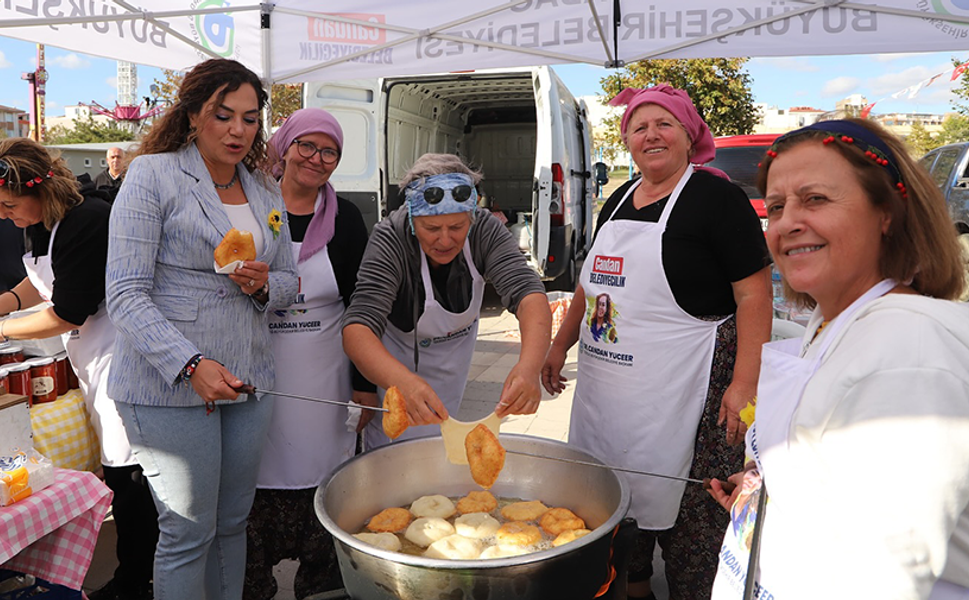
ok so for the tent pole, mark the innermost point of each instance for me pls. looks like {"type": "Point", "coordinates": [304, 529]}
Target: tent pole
{"type": "Point", "coordinates": [602, 34]}
{"type": "Point", "coordinates": [265, 32]}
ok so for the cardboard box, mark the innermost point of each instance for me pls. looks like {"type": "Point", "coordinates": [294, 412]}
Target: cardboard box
{"type": "Point", "coordinates": [15, 431]}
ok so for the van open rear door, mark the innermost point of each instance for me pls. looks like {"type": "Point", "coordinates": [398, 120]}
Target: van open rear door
{"type": "Point", "coordinates": [356, 105]}
{"type": "Point", "coordinates": [542, 196]}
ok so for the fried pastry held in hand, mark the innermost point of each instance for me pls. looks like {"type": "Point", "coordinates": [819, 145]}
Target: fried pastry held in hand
{"type": "Point", "coordinates": [236, 245]}
{"type": "Point", "coordinates": [486, 456]}
{"type": "Point", "coordinates": [396, 421]}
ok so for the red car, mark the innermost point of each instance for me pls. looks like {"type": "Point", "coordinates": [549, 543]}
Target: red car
{"type": "Point", "coordinates": [738, 156]}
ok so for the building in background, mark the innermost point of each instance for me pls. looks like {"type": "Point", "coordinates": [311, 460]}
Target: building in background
{"type": "Point", "coordinates": [14, 122]}
{"type": "Point", "coordinates": [77, 112]}
{"type": "Point", "coordinates": [771, 119]}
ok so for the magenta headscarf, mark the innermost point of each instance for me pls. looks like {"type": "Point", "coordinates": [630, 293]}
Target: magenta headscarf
{"type": "Point", "coordinates": [304, 121]}
{"type": "Point", "coordinates": [680, 106]}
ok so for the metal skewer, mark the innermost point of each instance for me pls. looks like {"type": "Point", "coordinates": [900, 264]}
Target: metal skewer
{"type": "Point", "coordinates": [249, 389]}
{"type": "Point", "coordinates": [601, 466]}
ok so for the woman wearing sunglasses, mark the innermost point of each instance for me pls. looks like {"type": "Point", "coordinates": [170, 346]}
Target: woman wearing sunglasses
{"type": "Point", "coordinates": [413, 319]}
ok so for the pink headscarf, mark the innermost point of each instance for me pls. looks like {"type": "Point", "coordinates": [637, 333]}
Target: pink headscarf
{"type": "Point", "coordinates": [678, 103]}
{"type": "Point", "coordinates": [304, 121]}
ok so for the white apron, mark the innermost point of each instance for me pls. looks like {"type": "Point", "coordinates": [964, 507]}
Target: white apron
{"type": "Point", "coordinates": [307, 440]}
{"type": "Point", "coordinates": [90, 348]}
{"type": "Point", "coordinates": [642, 382]}
{"type": "Point", "coordinates": [784, 374]}
{"type": "Point", "coordinates": [446, 347]}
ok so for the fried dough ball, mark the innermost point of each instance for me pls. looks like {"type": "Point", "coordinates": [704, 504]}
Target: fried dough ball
{"type": "Point", "coordinates": [486, 456]}
{"type": "Point", "coordinates": [433, 506]}
{"type": "Point", "coordinates": [396, 421]}
{"type": "Point", "coordinates": [384, 541]}
{"type": "Point", "coordinates": [236, 245]}
{"type": "Point", "coordinates": [476, 525]}
{"type": "Point", "coordinates": [524, 511]}
{"type": "Point", "coordinates": [427, 530]}
{"type": "Point", "coordinates": [476, 502]}
{"type": "Point", "coordinates": [517, 533]}
{"type": "Point", "coordinates": [390, 520]}
{"type": "Point", "coordinates": [455, 547]}
{"type": "Point", "coordinates": [557, 520]}
{"type": "Point", "coordinates": [503, 551]}
{"type": "Point", "coordinates": [569, 536]}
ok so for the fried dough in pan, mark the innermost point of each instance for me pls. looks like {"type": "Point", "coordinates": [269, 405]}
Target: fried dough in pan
{"type": "Point", "coordinates": [390, 520]}
{"type": "Point", "coordinates": [558, 520]}
{"type": "Point", "coordinates": [486, 456]}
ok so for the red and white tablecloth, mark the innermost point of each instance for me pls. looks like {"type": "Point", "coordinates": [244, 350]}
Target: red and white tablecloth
{"type": "Point", "coordinates": [52, 533]}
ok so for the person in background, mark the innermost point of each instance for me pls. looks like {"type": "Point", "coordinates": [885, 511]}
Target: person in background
{"type": "Point", "coordinates": [681, 254]}
{"type": "Point", "coordinates": [12, 269]}
{"type": "Point", "coordinates": [308, 440]}
{"type": "Point", "coordinates": [189, 338]}
{"type": "Point", "coordinates": [413, 319]}
{"type": "Point", "coordinates": [876, 392]}
{"type": "Point", "coordinates": [111, 178]}
{"type": "Point", "coordinates": [67, 232]}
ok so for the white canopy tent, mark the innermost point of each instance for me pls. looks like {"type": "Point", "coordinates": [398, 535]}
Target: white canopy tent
{"type": "Point", "coordinates": [308, 40]}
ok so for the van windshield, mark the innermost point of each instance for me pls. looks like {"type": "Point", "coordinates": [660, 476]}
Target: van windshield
{"type": "Point", "coordinates": [741, 165]}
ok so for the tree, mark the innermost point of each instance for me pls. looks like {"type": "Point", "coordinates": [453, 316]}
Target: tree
{"type": "Point", "coordinates": [88, 131]}
{"type": "Point", "coordinates": [284, 100]}
{"type": "Point", "coordinates": [919, 141]}
{"type": "Point", "coordinates": [719, 88]}
{"type": "Point", "coordinates": [955, 128]}
{"type": "Point", "coordinates": [961, 90]}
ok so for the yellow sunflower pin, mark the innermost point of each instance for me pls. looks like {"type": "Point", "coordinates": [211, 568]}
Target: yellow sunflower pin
{"type": "Point", "coordinates": [275, 222]}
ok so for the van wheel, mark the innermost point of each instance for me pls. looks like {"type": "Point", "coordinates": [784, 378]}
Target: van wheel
{"type": "Point", "coordinates": [566, 281]}
{"type": "Point", "coordinates": [964, 245]}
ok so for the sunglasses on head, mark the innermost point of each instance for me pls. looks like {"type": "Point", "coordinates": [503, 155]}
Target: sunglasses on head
{"type": "Point", "coordinates": [460, 193]}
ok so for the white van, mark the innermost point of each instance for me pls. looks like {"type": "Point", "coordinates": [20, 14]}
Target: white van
{"type": "Point", "coordinates": [521, 127]}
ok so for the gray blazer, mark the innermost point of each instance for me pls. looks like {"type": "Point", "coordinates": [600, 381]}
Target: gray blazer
{"type": "Point", "coordinates": [163, 294]}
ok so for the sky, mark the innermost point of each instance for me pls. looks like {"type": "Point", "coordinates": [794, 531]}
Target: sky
{"type": "Point", "coordinates": [814, 81]}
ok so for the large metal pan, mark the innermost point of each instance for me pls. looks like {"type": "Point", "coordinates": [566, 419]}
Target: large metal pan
{"type": "Point", "coordinates": [397, 474]}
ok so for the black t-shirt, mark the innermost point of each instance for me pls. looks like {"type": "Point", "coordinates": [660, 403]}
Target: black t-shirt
{"type": "Point", "coordinates": [712, 239]}
{"type": "Point", "coordinates": [78, 257]}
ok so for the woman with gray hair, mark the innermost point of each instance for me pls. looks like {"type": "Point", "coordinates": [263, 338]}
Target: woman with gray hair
{"type": "Point", "coordinates": [413, 318]}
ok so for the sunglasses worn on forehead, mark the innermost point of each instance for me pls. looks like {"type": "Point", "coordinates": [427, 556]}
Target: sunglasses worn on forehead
{"type": "Point", "coordinates": [460, 193]}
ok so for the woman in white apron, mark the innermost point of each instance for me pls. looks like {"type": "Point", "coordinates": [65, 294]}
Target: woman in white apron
{"type": "Point", "coordinates": [307, 440]}
{"type": "Point", "coordinates": [67, 226]}
{"type": "Point", "coordinates": [413, 320]}
{"type": "Point", "coordinates": [679, 261]}
{"type": "Point", "coordinates": [861, 436]}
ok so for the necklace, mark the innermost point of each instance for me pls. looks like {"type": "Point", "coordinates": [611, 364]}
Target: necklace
{"type": "Point", "coordinates": [232, 182]}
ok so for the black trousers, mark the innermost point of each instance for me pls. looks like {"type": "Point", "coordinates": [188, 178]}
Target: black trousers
{"type": "Point", "coordinates": [136, 521]}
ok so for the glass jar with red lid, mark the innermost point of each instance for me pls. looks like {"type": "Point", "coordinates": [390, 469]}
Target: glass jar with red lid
{"type": "Point", "coordinates": [43, 379]}
{"type": "Point", "coordinates": [18, 378]}
{"type": "Point", "coordinates": [11, 353]}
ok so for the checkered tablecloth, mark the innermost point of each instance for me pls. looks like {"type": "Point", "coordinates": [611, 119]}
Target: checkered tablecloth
{"type": "Point", "coordinates": [52, 533]}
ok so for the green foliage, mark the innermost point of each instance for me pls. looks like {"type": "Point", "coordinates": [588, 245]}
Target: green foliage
{"type": "Point", "coordinates": [955, 128]}
{"type": "Point", "coordinates": [284, 100]}
{"type": "Point", "coordinates": [961, 90]}
{"type": "Point", "coordinates": [919, 141]}
{"type": "Point", "coordinates": [88, 131]}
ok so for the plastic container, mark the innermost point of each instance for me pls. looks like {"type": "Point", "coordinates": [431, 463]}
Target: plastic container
{"type": "Point", "coordinates": [18, 378]}
{"type": "Point", "coordinates": [61, 367]}
{"type": "Point", "coordinates": [11, 354]}
{"type": "Point", "coordinates": [43, 379]}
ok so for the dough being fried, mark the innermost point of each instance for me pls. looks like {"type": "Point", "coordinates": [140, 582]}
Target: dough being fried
{"type": "Point", "coordinates": [396, 421]}
{"type": "Point", "coordinates": [427, 530]}
{"type": "Point", "coordinates": [524, 511]}
{"type": "Point", "coordinates": [486, 456]}
{"type": "Point", "coordinates": [390, 520]}
{"type": "Point", "coordinates": [569, 536]}
{"type": "Point", "coordinates": [455, 547]}
{"type": "Point", "coordinates": [236, 245]}
{"type": "Point", "coordinates": [503, 551]}
{"type": "Point", "coordinates": [557, 520]}
{"type": "Point", "coordinates": [477, 502]}
{"type": "Point", "coordinates": [433, 506]}
{"type": "Point", "coordinates": [384, 541]}
{"type": "Point", "coordinates": [517, 533]}
{"type": "Point", "coordinates": [476, 525]}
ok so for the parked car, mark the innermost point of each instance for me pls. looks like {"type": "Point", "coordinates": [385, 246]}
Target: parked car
{"type": "Point", "coordinates": [521, 126]}
{"type": "Point", "coordinates": [949, 168]}
{"type": "Point", "coordinates": [738, 157]}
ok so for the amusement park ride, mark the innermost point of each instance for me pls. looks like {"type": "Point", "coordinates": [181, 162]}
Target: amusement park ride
{"type": "Point", "coordinates": [37, 80]}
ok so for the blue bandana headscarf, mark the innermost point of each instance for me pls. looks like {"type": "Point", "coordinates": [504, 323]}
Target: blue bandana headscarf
{"type": "Point", "coordinates": [418, 206]}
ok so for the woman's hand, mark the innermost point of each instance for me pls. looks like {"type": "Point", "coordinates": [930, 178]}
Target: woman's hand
{"type": "Point", "coordinates": [251, 276]}
{"type": "Point", "coordinates": [734, 400]}
{"type": "Point", "coordinates": [521, 392]}
{"type": "Point", "coordinates": [552, 378]}
{"type": "Point", "coordinates": [725, 492]}
{"type": "Point", "coordinates": [211, 381]}
{"type": "Point", "coordinates": [366, 399]}
{"type": "Point", "coordinates": [423, 405]}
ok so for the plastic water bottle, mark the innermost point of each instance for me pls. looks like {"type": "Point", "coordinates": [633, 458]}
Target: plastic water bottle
{"type": "Point", "coordinates": [780, 303]}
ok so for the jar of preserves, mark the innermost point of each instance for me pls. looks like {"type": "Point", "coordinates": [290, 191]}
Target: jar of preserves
{"type": "Point", "coordinates": [43, 379]}
{"type": "Point", "coordinates": [18, 378]}
{"type": "Point", "coordinates": [11, 353]}
{"type": "Point", "coordinates": [61, 367]}
{"type": "Point", "coordinates": [72, 382]}
{"type": "Point", "coordinates": [4, 382]}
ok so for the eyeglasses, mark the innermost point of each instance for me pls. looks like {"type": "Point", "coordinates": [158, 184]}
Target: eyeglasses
{"type": "Point", "coordinates": [307, 150]}
{"type": "Point", "coordinates": [460, 193]}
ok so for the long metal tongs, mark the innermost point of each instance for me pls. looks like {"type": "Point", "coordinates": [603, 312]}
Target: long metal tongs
{"type": "Point", "coordinates": [250, 389]}
{"type": "Point", "coordinates": [601, 466]}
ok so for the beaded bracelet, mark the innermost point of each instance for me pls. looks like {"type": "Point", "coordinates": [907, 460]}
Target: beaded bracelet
{"type": "Point", "coordinates": [190, 367]}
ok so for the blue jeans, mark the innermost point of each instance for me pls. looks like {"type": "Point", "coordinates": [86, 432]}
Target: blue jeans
{"type": "Point", "coordinates": [202, 470]}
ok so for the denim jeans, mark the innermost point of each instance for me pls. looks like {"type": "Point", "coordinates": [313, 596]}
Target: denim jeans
{"type": "Point", "coordinates": [202, 470]}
